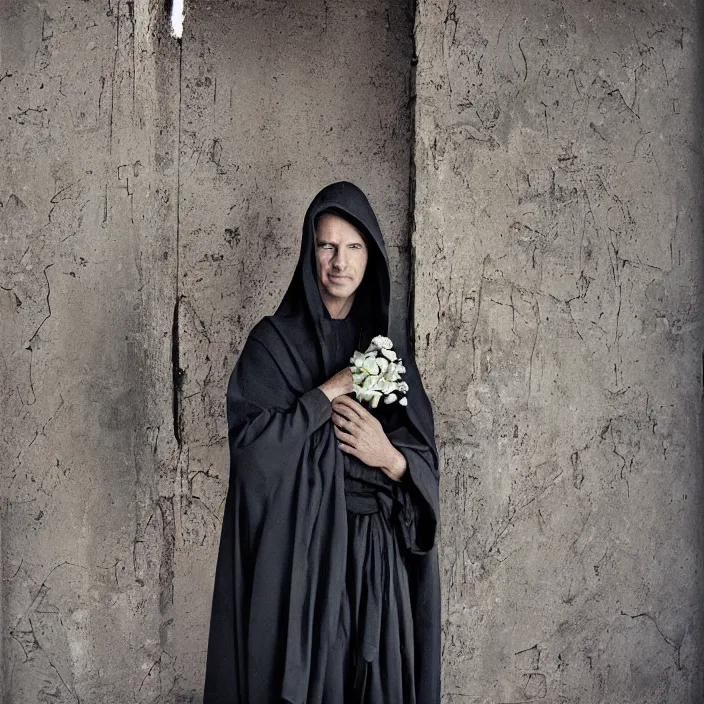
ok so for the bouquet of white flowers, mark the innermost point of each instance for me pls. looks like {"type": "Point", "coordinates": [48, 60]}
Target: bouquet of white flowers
{"type": "Point", "coordinates": [377, 372]}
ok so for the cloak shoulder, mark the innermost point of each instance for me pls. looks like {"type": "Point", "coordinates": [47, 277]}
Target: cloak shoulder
{"type": "Point", "coordinates": [268, 421]}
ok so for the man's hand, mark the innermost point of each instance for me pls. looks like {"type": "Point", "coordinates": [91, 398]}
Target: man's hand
{"type": "Point", "coordinates": [360, 434]}
{"type": "Point", "coordinates": [338, 385]}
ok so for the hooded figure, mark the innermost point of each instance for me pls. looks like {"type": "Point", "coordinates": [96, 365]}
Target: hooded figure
{"type": "Point", "coordinates": [327, 587]}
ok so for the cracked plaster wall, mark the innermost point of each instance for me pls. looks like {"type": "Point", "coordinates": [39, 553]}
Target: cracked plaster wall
{"type": "Point", "coordinates": [152, 197]}
{"type": "Point", "coordinates": [558, 290]}
{"type": "Point", "coordinates": [88, 192]}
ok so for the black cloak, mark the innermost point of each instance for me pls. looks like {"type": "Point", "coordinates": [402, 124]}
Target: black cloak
{"type": "Point", "coordinates": [281, 568]}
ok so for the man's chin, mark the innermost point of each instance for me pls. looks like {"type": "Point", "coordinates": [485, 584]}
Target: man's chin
{"type": "Point", "coordinates": [340, 290]}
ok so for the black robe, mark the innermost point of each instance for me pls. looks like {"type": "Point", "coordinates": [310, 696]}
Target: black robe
{"type": "Point", "coordinates": [327, 569]}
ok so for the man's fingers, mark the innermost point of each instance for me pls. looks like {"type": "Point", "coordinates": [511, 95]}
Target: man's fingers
{"type": "Point", "coordinates": [346, 412]}
{"type": "Point", "coordinates": [348, 449]}
{"type": "Point", "coordinates": [354, 407]}
{"type": "Point", "coordinates": [351, 405]}
{"type": "Point", "coordinates": [359, 409]}
{"type": "Point", "coordinates": [346, 438]}
{"type": "Point", "coordinates": [340, 421]}
{"type": "Point", "coordinates": [343, 412]}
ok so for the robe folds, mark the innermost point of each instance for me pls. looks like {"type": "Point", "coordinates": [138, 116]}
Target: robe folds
{"type": "Point", "coordinates": [326, 586]}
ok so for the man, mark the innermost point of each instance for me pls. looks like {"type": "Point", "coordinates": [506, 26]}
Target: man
{"type": "Point", "coordinates": [341, 258]}
{"type": "Point", "coordinates": [327, 587]}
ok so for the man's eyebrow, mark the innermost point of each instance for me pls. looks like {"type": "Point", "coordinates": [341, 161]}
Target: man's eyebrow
{"type": "Point", "coordinates": [322, 240]}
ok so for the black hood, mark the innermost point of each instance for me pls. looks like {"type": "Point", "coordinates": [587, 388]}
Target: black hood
{"type": "Point", "coordinates": [303, 320]}
{"type": "Point", "coordinates": [371, 305]}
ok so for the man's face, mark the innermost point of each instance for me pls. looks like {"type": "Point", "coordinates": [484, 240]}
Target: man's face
{"type": "Point", "coordinates": [341, 255]}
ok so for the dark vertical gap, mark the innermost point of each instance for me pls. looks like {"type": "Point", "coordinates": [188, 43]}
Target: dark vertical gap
{"type": "Point", "coordinates": [130, 10]}
{"type": "Point", "coordinates": [166, 503]}
{"type": "Point", "coordinates": [177, 372]}
{"type": "Point", "coordinates": [410, 302]}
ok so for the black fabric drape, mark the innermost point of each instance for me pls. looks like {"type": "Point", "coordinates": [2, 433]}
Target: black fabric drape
{"type": "Point", "coordinates": [282, 569]}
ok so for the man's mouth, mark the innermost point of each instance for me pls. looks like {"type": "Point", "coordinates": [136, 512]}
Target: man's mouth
{"type": "Point", "coordinates": [338, 277]}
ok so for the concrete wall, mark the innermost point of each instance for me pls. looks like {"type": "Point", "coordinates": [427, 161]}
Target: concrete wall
{"type": "Point", "coordinates": [88, 214]}
{"type": "Point", "coordinates": [152, 198]}
{"type": "Point", "coordinates": [558, 249]}
{"type": "Point", "coordinates": [152, 194]}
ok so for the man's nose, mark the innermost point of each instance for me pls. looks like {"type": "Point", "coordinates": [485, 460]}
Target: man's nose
{"type": "Point", "coordinates": [340, 259]}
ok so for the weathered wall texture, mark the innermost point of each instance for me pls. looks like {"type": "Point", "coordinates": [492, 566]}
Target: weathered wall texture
{"type": "Point", "coordinates": [152, 196]}
{"type": "Point", "coordinates": [558, 292]}
{"type": "Point", "coordinates": [88, 192]}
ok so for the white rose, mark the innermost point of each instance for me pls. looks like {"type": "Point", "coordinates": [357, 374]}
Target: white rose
{"type": "Point", "coordinates": [383, 343]}
{"type": "Point", "coordinates": [357, 359]}
{"type": "Point", "coordinates": [369, 383]}
{"type": "Point", "coordinates": [392, 374]}
{"type": "Point", "coordinates": [370, 366]}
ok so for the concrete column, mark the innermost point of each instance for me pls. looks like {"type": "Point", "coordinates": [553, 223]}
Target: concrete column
{"type": "Point", "coordinates": [88, 190]}
{"type": "Point", "coordinates": [558, 292]}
